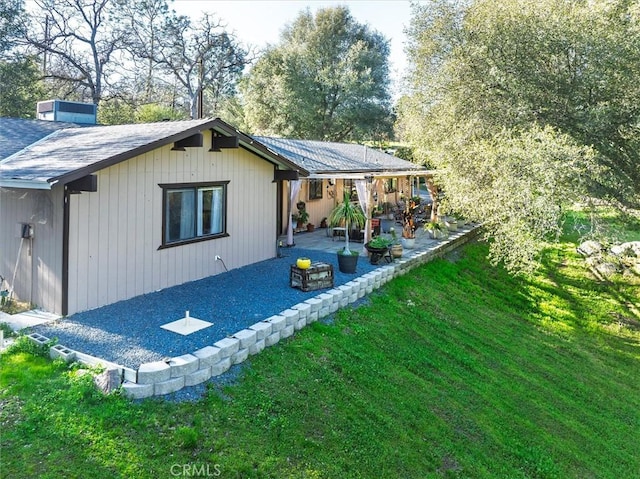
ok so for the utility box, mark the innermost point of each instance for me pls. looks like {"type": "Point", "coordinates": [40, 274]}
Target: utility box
{"type": "Point", "coordinates": [317, 276]}
{"type": "Point", "coordinates": [68, 111]}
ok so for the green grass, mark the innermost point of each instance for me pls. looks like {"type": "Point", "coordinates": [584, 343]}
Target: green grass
{"type": "Point", "coordinates": [454, 370]}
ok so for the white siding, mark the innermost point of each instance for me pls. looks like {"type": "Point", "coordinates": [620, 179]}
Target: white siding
{"type": "Point", "coordinates": [115, 232]}
{"type": "Point", "coordinates": [38, 278]}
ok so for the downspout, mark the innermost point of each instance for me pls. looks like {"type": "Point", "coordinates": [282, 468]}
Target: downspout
{"type": "Point", "coordinates": [65, 251]}
{"type": "Point", "coordinates": [279, 213]}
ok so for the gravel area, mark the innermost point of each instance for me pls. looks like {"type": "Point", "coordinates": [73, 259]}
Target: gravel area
{"type": "Point", "coordinates": [129, 333]}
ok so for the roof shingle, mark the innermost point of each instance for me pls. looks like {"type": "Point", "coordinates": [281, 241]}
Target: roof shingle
{"type": "Point", "coordinates": [72, 149]}
{"type": "Point", "coordinates": [326, 157]}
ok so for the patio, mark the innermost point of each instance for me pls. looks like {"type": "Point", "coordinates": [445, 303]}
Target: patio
{"type": "Point", "coordinates": [130, 332]}
{"type": "Point", "coordinates": [321, 240]}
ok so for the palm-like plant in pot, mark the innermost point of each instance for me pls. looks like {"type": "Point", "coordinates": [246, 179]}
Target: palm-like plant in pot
{"type": "Point", "coordinates": [350, 214]}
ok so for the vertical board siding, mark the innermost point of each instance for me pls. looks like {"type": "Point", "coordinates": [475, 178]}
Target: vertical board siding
{"type": "Point", "coordinates": [39, 272]}
{"type": "Point", "coordinates": [116, 231]}
{"type": "Point", "coordinates": [317, 209]}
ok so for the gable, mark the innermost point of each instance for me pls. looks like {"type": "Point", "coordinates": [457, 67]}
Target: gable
{"type": "Point", "coordinates": [72, 153]}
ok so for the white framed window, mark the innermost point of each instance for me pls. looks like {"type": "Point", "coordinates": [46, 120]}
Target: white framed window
{"type": "Point", "coordinates": [193, 212]}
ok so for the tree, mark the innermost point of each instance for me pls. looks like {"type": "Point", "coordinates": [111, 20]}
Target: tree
{"type": "Point", "coordinates": [146, 21]}
{"type": "Point", "coordinates": [152, 112]}
{"type": "Point", "coordinates": [79, 41]}
{"type": "Point", "coordinates": [327, 79]}
{"type": "Point", "coordinates": [525, 107]}
{"type": "Point", "coordinates": [201, 57]}
{"type": "Point", "coordinates": [10, 26]}
{"type": "Point", "coordinates": [20, 88]}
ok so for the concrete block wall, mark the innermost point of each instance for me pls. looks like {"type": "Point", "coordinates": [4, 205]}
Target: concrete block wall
{"type": "Point", "coordinates": [164, 377]}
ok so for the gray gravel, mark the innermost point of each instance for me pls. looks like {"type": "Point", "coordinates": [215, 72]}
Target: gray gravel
{"type": "Point", "coordinates": [129, 333]}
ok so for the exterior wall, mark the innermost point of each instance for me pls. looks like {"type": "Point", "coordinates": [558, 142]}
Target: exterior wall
{"type": "Point", "coordinates": [115, 232]}
{"type": "Point", "coordinates": [321, 208]}
{"type": "Point", "coordinates": [39, 272]}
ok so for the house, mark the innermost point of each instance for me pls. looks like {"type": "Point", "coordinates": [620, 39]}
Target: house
{"type": "Point", "coordinates": [91, 215]}
{"type": "Point", "coordinates": [337, 167]}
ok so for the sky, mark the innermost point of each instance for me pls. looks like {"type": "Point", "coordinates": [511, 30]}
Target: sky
{"type": "Point", "coordinates": [260, 22]}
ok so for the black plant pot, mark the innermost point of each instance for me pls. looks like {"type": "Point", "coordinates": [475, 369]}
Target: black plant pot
{"type": "Point", "coordinates": [376, 254]}
{"type": "Point", "coordinates": [347, 263]}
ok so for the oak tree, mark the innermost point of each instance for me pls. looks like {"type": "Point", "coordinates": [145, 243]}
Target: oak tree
{"type": "Point", "coordinates": [327, 79]}
{"type": "Point", "coordinates": [526, 107]}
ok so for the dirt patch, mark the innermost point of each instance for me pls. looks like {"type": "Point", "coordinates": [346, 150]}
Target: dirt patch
{"type": "Point", "coordinates": [449, 464]}
{"type": "Point", "coordinates": [454, 256]}
{"type": "Point", "coordinates": [11, 306]}
{"type": "Point", "coordinates": [626, 321]}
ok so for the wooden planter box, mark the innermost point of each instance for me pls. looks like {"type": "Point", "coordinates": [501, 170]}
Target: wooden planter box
{"type": "Point", "coordinates": [318, 276]}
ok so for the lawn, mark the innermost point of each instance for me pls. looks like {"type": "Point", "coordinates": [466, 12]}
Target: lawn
{"type": "Point", "coordinates": [453, 370]}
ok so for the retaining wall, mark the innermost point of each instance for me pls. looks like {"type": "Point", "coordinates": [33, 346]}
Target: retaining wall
{"type": "Point", "coordinates": [164, 377]}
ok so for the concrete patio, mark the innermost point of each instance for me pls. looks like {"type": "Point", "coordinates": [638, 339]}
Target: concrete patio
{"type": "Point", "coordinates": [322, 240]}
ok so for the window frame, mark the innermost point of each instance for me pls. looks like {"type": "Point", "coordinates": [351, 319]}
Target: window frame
{"type": "Point", "coordinates": [315, 185]}
{"type": "Point", "coordinates": [350, 185]}
{"type": "Point", "coordinates": [196, 187]}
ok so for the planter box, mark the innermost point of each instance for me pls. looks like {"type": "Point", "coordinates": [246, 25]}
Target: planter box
{"type": "Point", "coordinates": [317, 276]}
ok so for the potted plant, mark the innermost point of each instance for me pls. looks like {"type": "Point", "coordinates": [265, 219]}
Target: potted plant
{"type": "Point", "coordinates": [409, 224]}
{"type": "Point", "coordinates": [387, 209]}
{"type": "Point", "coordinates": [302, 216]}
{"type": "Point", "coordinates": [351, 215]}
{"type": "Point", "coordinates": [435, 229]}
{"type": "Point", "coordinates": [377, 248]}
{"type": "Point", "coordinates": [451, 223]}
{"type": "Point", "coordinates": [396, 246]}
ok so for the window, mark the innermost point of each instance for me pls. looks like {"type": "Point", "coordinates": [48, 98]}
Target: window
{"type": "Point", "coordinates": [315, 189]}
{"type": "Point", "coordinates": [391, 185]}
{"type": "Point", "coordinates": [350, 187]}
{"type": "Point", "coordinates": [193, 212]}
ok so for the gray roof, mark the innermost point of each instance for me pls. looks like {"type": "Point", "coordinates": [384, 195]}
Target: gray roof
{"type": "Point", "coordinates": [70, 153]}
{"type": "Point", "coordinates": [320, 157]}
{"type": "Point", "coordinates": [18, 133]}
{"type": "Point", "coordinates": [37, 154]}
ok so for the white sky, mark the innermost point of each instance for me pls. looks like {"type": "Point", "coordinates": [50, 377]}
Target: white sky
{"type": "Point", "coordinates": [259, 22]}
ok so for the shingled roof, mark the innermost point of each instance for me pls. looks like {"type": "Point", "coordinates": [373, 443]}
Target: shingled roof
{"type": "Point", "coordinates": [18, 133]}
{"type": "Point", "coordinates": [71, 153]}
{"type": "Point", "coordinates": [37, 154]}
{"type": "Point", "coordinates": [320, 157]}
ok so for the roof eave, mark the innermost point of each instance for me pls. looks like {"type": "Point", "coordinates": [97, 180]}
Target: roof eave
{"type": "Point", "coordinates": [25, 184]}
{"type": "Point", "coordinates": [361, 174]}
{"type": "Point", "coordinates": [260, 149]}
{"type": "Point", "coordinates": [141, 150]}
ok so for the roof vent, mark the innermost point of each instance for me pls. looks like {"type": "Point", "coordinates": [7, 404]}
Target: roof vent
{"type": "Point", "coordinates": [69, 111]}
